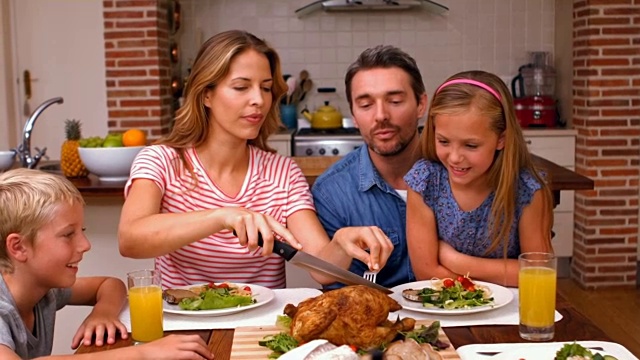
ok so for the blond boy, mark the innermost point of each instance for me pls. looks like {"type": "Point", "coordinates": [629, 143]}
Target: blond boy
{"type": "Point", "coordinates": [43, 241]}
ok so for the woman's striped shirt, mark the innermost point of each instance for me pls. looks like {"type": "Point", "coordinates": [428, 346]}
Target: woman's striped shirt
{"type": "Point", "coordinates": [274, 185]}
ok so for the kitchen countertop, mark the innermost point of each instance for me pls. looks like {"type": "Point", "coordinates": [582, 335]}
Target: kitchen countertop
{"type": "Point", "coordinates": [312, 167]}
{"type": "Point", "coordinates": [92, 186]}
{"type": "Point", "coordinates": [549, 132]}
{"type": "Point", "coordinates": [283, 134]}
{"type": "Point", "coordinates": [561, 178]}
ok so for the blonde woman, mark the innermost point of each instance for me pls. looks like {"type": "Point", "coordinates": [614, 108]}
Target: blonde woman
{"type": "Point", "coordinates": [476, 190]}
{"type": "Point", "coordinates": [215, 174]}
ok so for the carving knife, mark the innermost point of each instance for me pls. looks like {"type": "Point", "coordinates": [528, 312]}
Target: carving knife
{"type": "Point", "coordinates": [311, 263]}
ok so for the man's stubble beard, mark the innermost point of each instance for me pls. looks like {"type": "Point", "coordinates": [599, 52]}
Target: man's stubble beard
{"type": "Point", "coordinates": [400, 147]}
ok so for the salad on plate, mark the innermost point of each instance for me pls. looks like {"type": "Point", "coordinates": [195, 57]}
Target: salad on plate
{"type": "Point", "coordinates": [459, 293]}
{"type": "Point", "coordinates": [216, 296]}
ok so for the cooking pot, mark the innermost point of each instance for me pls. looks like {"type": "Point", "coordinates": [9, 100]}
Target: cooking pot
{"type": "Point", "coordinates": [325, 117]}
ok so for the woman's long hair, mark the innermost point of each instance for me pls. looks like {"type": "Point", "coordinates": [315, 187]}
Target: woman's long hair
{"type": "Point", "coordinates": [192, 123]}
{"type": "Point", "coordinates": [508, 162]}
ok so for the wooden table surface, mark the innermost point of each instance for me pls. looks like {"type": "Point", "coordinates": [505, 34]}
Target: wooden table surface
{"type": "Point", "coordinates": [573, 326]}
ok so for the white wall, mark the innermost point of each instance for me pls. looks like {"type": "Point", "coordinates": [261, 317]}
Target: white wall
{"type": "Point", "coordinates": [76, 72]}
{"type": "Point", "coordinates": [62, 43]}
{"type": "Point", "coordinates": [6, 95]}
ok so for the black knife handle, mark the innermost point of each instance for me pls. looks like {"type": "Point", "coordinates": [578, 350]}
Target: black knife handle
{"type": "Point", "coordinates": [279, 247]}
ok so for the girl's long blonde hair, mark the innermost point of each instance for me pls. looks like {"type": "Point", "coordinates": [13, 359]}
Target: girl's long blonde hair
{"type": "Point", "coordinates": [191, 125]}
{"type": "Point", "coordinates": [508, 162]}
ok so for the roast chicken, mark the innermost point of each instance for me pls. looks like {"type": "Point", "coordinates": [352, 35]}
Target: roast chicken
{"type": "Point", "coordinates": [353, 315]}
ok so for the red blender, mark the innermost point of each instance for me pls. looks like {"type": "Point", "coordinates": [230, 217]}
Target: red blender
{"type": "Point", "coordinates": [533, 92]}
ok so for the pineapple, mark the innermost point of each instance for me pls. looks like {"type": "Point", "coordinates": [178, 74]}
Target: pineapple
{"type": "Point", "coordinates": [70, 162]}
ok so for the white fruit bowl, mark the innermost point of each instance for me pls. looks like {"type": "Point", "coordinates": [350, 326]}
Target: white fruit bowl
{"type": "Point", "coordinates": [109, 163]}
{"type": "Point", "coordinates": [7, 159]}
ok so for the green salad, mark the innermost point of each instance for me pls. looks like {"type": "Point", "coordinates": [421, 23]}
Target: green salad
{"type": "Point", "coordinates": [576, 351]}
{"type": "Point", "coordinates": [461, 293]}
{"type": "Point", "coordinates": [220, 296]}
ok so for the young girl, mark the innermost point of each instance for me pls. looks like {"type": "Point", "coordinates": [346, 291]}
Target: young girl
{"type": "Point", "coordinates": [43, 242]}
{"type": "Point", "coordinates": [477, 190]}
{"type": "Point", "coordinates": [215, 174]}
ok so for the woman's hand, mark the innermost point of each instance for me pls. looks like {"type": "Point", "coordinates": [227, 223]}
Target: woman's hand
{"type": "Point", "coordinates": [248, 224]}
{"type": "Point", "coordinates": [98, 323]}
{"type": "Point", "coordinates": [355, 240]}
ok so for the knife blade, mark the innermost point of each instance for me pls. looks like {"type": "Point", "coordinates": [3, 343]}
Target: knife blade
{"type": "Point", "coordinates": [311, 263]}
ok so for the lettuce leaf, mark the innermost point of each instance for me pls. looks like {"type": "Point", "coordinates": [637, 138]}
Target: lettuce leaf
{"type": "Point", "coordinates": [210, 300]}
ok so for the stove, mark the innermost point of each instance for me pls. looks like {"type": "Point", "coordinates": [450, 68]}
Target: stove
{"type": "Point", "coordinates": [326, 142]}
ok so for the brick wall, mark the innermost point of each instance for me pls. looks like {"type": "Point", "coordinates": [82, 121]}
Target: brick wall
{"type": "Point", "coordinates": [606, 113]}
{"type": "Point", "coordinates": [138, 68]}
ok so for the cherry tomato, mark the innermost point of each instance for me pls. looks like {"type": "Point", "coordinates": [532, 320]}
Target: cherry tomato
{"type": "Point", "coordinates": [354, 348]}
{"type": "Point", "coordinates": [211, 285]}
{"type": "Point", "coordinates": [447, 283]}
{"type": "Point", "coordinates": [460, 279]}
{"type": "Point", "coordinates": [223, 286]}
{"type": "Point", "coordinates": [246, 288]}
{"type": "Point", "coordinates": [468, 284]}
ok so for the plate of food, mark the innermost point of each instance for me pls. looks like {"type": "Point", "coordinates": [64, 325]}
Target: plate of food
{"type": "Point", "coordinates": [215, 299]}
{"type": "Point", "coordinates": [459, 296]}
{"type": "Point", "coordinates": [600, 350]}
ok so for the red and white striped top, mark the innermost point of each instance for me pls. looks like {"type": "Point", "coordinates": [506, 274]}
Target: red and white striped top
{"type": "Point", "coordinates": [274, 185]}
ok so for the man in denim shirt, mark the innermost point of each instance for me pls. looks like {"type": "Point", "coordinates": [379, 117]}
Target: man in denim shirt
{"type": "Point", "coordinates": [387, 97]}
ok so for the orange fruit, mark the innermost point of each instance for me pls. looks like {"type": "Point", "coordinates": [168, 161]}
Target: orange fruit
{"type": "Point", "coordinates": [134, 137]}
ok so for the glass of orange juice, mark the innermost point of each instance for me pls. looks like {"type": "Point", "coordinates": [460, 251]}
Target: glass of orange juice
{"type": "Point", "coordinates": [145, 305]}
{"type": "Point", "coordinates": [537, 292]}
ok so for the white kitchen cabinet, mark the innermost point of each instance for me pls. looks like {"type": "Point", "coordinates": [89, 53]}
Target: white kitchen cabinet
{"type": "Point", "coordinates": [281, 141]}
{"type": "Point", "coordinates": [558, 146]}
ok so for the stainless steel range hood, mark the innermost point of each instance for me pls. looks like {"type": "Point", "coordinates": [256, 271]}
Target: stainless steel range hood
{"type": "Point", "coordinates": [369, 5]}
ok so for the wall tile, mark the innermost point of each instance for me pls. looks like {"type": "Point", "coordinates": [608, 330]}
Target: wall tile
{"type": "Point", "coordinates": [407, 39]}
{"type": "Point", "coordinates": [343, 23]}
{"type": "Point", "coordinates": [392, 37]}
{"type": "Point", "coordinates": [493, 35]}
{"type": "Point", "coordinates": [392, 22]}
{"type": "Point", "coordinates": [327, 39]}
{"type": "Point", "coordinates": [312, 39]}
{"type": "Point", "coordinates": [344, 39]}
{"type": "Point", "coordinates": [360, 39]}
{"type": "Point", "coordinates": [295, 25]}
{"type": "Point", "coordinates": [407, 23]}
{"type": "Point", "coordinates": [280, 25]}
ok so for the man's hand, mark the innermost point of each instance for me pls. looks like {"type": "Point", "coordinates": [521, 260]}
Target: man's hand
{"type": "Point", "coordinates": [355, 240]}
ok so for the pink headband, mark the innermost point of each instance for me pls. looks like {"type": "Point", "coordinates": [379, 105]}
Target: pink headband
{"type": "Point", "coordinates": [471, 82]}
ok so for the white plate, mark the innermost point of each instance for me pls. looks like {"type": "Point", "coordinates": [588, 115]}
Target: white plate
{"type": "Point", "coordinates": [262, 295]}
{"type": "Point", "coordinates": [501, 297]}
{"type": "Point", "coordinates": [538, 351]}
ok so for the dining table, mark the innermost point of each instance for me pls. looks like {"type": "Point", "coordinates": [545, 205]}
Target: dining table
{"type": "Point", "coordinates": [572, 327]}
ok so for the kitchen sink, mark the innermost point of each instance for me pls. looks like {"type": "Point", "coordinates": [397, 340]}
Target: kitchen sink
{"type": "Point", "coordinates": [52, 167]}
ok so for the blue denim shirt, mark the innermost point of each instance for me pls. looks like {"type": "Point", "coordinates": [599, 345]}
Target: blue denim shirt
{"type": "Point", "coordinates": [352, 193]}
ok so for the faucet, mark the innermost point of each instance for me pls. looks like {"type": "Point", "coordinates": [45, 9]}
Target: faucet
{"type": "Point", "coordinates": [24, 150]}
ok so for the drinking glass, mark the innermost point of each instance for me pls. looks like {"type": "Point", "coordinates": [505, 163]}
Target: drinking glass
{"type": "Point", "coordinates": [145, 305]}
{"type": "Point", "coordinates": [537, 292]}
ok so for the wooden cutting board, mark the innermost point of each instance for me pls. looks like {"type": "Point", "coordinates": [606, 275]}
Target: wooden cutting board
{"type": "Point", "coordinates": [245, 342]}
